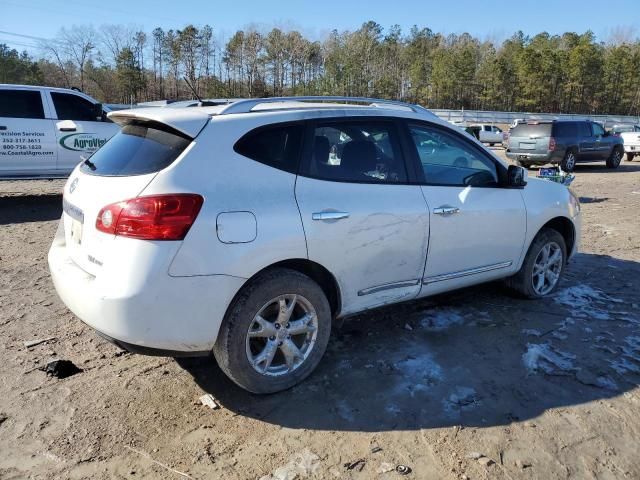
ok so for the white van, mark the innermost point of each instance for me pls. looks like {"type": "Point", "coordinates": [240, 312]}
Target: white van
{"type": "Point", "coordinates": [44, 131]}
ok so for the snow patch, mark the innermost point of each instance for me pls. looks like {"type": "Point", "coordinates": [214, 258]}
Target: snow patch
{"type": "Point", "coordinates": [531, 331]}
{"type": "Point", "coordinates": [461, 400]}
{"type": "Point", "coordinates": [440, 319]}
{"type": "Point", "coordinates": [586, 301]}
{"type": "Point", "coordinates": [542, 357]}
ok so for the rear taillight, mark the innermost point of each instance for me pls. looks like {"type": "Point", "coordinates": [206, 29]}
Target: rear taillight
{"type": "Point", "coordinates": [155, 217]}
{"type": "Point", "coordinates": [552, 143]}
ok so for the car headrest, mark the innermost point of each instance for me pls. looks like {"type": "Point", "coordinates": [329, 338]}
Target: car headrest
{"type": "Point", "coordinates": [321, 149]}
{"type": "Point", "coordinates": [359, 156]}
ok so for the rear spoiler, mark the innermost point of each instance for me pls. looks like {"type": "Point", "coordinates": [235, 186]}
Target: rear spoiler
{"type": "Point", "coordinates": [188, 122]}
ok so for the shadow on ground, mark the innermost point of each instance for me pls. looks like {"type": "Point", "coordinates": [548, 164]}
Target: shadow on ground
{"type": "Point", "coordinates": [477, 357]}
{"type": "Point", "coordinates": [30, 208]}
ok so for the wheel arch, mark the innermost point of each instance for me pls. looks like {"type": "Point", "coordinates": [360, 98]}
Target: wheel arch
{"type": "Point", "coordinates": [564, 227]}
{"type": "Point", "coordinates": [319, 274]}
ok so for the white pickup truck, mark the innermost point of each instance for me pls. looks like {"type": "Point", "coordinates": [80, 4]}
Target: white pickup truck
{"type": "Point", "coordinates": [487, 133]}
{"type": "Point", "coordinates": [44, 131]}
{"type": "Point", "coordinates": [630, 135]}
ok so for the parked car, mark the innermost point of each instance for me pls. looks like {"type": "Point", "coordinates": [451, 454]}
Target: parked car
{"type": "Point", "coordinates": [45, 131]}
{"type": "Point", "coordinates": [630, 135]}
{"type": "Point", "coordinates": [563, 142]}
{"type": "Point", "coordinates": [487, 133]}
{"type": "Point", "coordinates": [232, 228]}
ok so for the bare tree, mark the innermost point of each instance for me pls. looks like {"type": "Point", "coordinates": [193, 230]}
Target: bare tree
{"type": "Point", "coordinates": [78, 43]}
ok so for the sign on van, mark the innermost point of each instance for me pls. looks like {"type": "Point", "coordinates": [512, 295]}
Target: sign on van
{"type": "Point", "coordinates": [82, 142]}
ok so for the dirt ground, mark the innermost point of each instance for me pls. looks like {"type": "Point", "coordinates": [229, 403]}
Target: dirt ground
{"type": "Point", "coordinates": [474, 384]}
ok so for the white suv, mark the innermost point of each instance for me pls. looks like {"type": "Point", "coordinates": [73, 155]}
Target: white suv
{"type": "Point", "coordinates": [245, 229]}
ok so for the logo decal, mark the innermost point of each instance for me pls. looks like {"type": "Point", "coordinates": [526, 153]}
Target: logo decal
{"type": "Point", "coordinates": [73, 185]}
{"type": "Point", "coordinates": [82, 142]}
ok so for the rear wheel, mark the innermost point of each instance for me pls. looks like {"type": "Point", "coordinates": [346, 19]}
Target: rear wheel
{"type": "Point", "coordinates": [615, 158]}
{"type": "Point", "coordinates": [630, 156]}
{"type": "Point", "coordinates": [275, 332]}
{"type": "Point", "coordinates": [568, 163]}
{"type": "Point", "coordinates": [542, 267]}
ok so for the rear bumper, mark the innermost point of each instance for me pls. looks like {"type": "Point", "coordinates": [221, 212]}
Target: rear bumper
{"type": "Point", "coordinates": [532, 157]}
{"type": "Point", "coordinates": [154, 311]}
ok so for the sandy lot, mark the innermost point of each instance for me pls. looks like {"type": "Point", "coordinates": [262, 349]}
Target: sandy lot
{"type": "Point", "coordinates": [544, 389]}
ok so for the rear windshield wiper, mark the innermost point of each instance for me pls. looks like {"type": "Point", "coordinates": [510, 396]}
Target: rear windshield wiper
{"type": "Point", "coordinates": [88, 163]}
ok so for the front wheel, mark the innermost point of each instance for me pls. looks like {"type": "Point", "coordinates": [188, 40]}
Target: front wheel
{"type": "Point", "coordinates": [542, 267]}
{"type": "Point", "coordinates": [615, 158]}
{"type": "Point", "coordinates": [275, 332]}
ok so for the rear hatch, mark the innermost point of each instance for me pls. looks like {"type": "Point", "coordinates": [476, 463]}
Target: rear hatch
{"type": "Point", "coordinates": [527, 138]}
{"type": "Point", "coordinates": [119, 170]}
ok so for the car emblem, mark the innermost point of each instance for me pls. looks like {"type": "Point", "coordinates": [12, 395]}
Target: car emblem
{"type": "Point", "coordinates": [73, 185]}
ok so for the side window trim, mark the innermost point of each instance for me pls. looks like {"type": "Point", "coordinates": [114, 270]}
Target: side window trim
{"type": "Point", "coordinates": [47, 102]}
{"type": "Point", "coordinates": [395, 123]}
{"type": "Point", "coordinates": [415, 159]}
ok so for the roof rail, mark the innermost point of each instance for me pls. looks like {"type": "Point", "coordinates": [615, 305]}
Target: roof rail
{"type": "Point", "coordinates": [247, 105]}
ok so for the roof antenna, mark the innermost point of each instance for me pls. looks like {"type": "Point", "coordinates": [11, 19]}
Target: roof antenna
{"type": "Point", "coordinates": [193, 90]}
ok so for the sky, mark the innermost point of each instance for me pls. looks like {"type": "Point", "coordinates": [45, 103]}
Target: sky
{"type": "Point", "coordinates": [23, 22]}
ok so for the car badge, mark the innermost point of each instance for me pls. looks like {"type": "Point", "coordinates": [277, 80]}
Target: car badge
{"type": "Point", "coordinates": [73, 185]}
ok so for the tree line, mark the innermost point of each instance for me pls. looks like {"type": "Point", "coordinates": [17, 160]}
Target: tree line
{"type": "Point", "coordinates": [572, 73]}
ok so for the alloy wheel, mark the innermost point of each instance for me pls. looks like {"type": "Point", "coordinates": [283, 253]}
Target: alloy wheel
{"type": "Point", "coordinates": [547, 268]}
{"type": "Point", "coordinates": [282, 335]}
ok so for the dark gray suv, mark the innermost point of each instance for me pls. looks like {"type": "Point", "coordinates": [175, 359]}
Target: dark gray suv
{"type": "Point", "coordinates": [563, 142]}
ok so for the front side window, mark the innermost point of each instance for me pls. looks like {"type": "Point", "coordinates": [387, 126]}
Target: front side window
{"type": "Point", "coordinates": [597, 129]}
{"type": "Point", "coordinates": [21, 104]}
{"type": "Point", "coordinates": [448, 159]}
{"type": "Point", "coordinates": [73, 107]}
{"type": "Point", "coordinates": [277, 146]}
{"type": "Point", "coordinates": [356, 151]}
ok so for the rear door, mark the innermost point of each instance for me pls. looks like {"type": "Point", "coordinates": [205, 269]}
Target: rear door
{"type": "Point", "coordinates": [362, 219]}
{"type": "Point", "coordinates": [477, 228]}
{"type": "Point", "coordinates": [119, 171]}
{"type": "Point", "coordinates": [79, 130]}
{"type": "Point", "coordinates": [28, 142]}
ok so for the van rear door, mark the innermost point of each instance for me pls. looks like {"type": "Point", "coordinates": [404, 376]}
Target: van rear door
{"type": "Point", "coordinates": [27, 138]}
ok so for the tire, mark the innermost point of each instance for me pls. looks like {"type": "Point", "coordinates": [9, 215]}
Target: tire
{"type": "Point", "coordinates": [630, 157]}
{"type": "Point", "coordinates": [523, 282]}
{"type": "Point", "coordinates": [615, 158]}
{"type": "Point", "coordinates": [235, 345]}
{"type": "Point", "coordinates": [568, 163]}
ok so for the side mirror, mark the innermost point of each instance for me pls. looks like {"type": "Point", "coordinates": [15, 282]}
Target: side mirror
{"type": "Point", "coordinates": [516, 176]}
{"type": "Point", "coordinates": [606, 134]}
{"type": "Point", "coordinates": [97, 111]}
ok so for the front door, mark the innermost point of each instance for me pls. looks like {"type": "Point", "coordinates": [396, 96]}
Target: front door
{"type": "Point", "coordinates": [477, 228]}
{"type": "Point", "coordinates": [79, 131]}
{"type": "Point", "coordinates": [27, 138]}
{"type": "Point", "coordinates": [361, 219]}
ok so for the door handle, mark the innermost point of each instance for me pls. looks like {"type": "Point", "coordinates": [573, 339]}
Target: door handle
{"type": "Point", "coordinates": [329, 215]}
{"type": "Point", "coordinates": [446, 210]}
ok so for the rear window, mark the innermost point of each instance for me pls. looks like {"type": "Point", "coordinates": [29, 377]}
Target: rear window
{"type": "Point", "coordinates": [531, 130]}
{"type": "Point", "coordinates": [21, 104]}
{"type": "Point", "coordinates": [568, 129]}
{"type": "Point", "coordinates": [138, 149]}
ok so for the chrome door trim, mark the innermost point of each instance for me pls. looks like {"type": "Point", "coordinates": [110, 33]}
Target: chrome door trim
{"type": "Point", "coordinates": [464, 273]}
{"type": "Point", "coordinates": [388, 286]}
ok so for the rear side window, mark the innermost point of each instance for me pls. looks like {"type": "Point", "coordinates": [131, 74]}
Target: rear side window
{"type": "Point", "coordinates": [137, 149]}
{"type": "Point", "coordinates": [73, 107]}
{"type": "Point", "coordinates": [277, 146]}
{"type": "Point", "coordinates": [21, 104]}
{"type": "Point", "coordinates": [531, 130]}
{"type": "Point", "coordinates": [568, 129]}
